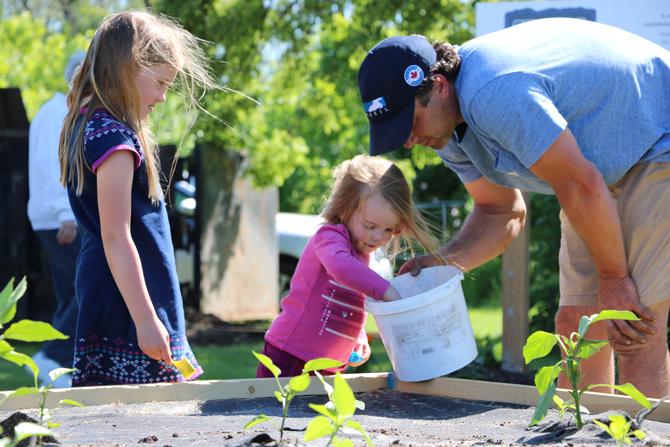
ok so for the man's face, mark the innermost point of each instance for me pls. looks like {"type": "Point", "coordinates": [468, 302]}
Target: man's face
{"type": "Point", "coordinates": [433, 124]}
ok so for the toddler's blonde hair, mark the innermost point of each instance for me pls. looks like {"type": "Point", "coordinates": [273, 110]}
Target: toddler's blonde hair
{"type": "Point", "coordinates": [364, 175]}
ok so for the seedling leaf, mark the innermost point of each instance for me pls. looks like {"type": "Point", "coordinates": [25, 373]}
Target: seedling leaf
{"type": "Point", "coordinates": [299, 383]}
{"type": "Point", "coordinates": [22, 391]}
{"type": "Point", "coordinates": [267, 362]}
{"type": "Point", "coordinates": [629, 389]}
{"type": "Point", "coordinates": [619, 426]}
{"type": "Point", "coordinates": [71, 402]}
{"type": "Point", "coordinates": [320, 426]}
{"type": "Point", "coordinates": [639, 434]}
{"type": "Point", "coordinates": [279, 396]}
{"type": "Point", "coordinates": [5, 348]}
{"type": "Point", "coordinates": [27, 429]}
{"type": "Point", "coordinates": [357, 426]}
{"type": "Point", "coordinates": [343, 397]}
{"type": "Point", "coordinates": [584, 325]}
{"type": "Point", "coordinates": [8, 299]}
{"type": "Point", "coordinates": [21, 359]}
{"type": "Point", "coordinates": [327, 386]}
{"type": "Point", "coordinates": [319, 364]}
{"type": "Point", "coordinates": [342, 443]}
{"type": "Point", "coordinates": [590, 347]}
{"type": "Point", "coordinates": [544, 404]}
{"type": "Point", "coordinates": [56, 373]}
{"type": "Point", "coordinates": [53, 424]}
{"type": "Point", "coordinates": [545, 376]}
{"type": "Point", "coordinates": [615, 315]}
{"type": "Point", "coordinates": [325, 410]}
{"type": "Point", "coordinates": [538, 345]}
{"type": "Point", "coordinates": [28, 330]}
{"type": "Point", "coordinates": [257, 420]}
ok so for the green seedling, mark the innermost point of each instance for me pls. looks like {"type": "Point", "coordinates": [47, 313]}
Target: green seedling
{"type": "Point", "coordinates": [23, 431]}
{"type": "Point", "coordinates": [333, 419]}
{"type": "Point", "coordinates": [29, 331]}
{"type": "Point", "coordinates": [619, 429]}
{"type": "Point", "coordinates": [42, 393]}
{"type": "Point", "coordinates": [329, 391]}
{"type": "Point", "coordinates": [287, 393]}
{"type": "Point", "coordinates": [23, 330]}
{"type": "Point", "coordinates": [574, 349]}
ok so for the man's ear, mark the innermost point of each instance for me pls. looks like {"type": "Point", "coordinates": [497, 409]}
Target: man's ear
{"type": "Point", "coordinates": [440, 85]}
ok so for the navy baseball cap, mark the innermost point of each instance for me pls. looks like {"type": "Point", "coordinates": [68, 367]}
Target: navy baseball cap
{"type": "Point", "coordinates": [388, 79]}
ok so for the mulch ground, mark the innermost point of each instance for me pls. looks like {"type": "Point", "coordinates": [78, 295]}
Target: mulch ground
{"type": "Point", "coordinates": [391, 418]}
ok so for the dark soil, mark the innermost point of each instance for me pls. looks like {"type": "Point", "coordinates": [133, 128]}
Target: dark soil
{"type": "Point", "coordinates": [391, 418]}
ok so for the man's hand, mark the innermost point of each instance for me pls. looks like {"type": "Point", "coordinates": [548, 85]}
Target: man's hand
{"type": "Point", "coordinates": [415, 265]}
{"type": "Point", "coordinates": [621, 294]}
{"type": "Point", "coordinates": [67, 232]}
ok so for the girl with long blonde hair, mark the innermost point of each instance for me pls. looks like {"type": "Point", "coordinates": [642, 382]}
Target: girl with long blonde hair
{"type": "Point", "coordinates": [131, 319]}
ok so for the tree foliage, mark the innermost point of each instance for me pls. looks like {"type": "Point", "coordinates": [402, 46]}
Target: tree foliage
{"type": "Point", "coordinates": [299, 59]}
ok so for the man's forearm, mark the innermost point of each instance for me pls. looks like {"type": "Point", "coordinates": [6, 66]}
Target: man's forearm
{"type": "Point", "coordinates": [484, 236]}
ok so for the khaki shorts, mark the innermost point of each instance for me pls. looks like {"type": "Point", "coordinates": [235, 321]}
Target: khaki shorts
{"type": "Point", "coordinates": [642, 199]}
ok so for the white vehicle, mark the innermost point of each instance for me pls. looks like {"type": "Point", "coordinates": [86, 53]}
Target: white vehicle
{"type": "Point", "coordinates": [294, 231]}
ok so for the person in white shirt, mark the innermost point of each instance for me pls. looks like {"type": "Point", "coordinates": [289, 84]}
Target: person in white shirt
{"type": "Point", "coordinates": [54, 224]}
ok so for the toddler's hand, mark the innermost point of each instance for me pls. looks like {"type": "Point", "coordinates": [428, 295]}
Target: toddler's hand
{"type": "Point", "coordinates": [361, 353]}
{"type": "Point", "coordinates": [391, 294]}
{"type": "Point", "coordinates": [154, 340]}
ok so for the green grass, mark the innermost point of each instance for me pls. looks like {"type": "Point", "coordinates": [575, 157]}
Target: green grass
{"type": "Point", "coordinates": [227, 362]}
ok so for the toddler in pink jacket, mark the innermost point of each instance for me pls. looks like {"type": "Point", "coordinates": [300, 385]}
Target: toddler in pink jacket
{"type": "Point", "coordinates": [323, 315]}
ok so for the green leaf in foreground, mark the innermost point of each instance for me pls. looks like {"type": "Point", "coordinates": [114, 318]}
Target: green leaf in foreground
{"type": "Point", "coordinates": [257, 420]}
{"type": "Point", "coordinates": [628, 389]}
{"type": "Point", "coordinates": [544, 404]}
{"type": "Point", "coordinates": [319, 364]}
{"type": "Point", "coordinates": [538, 345]}
{"type": "Point", "coordinates": [267, 362]}
{"type": "Point", "coordinates": [319, 427]}
{"type": "Point", "coordinates": [27, 429]}
{"type": "Point", "coordinates": [37, 331]}
{"type": "Point", "coordinates": [614, 315]}
{"type": "Point", "coordinates": [590, 347]}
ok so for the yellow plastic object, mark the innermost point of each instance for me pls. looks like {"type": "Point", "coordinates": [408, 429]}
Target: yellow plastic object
{"type": "Point", "coordinates": [185, 367]}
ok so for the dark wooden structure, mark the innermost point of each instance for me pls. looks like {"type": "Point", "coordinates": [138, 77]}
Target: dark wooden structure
{"type": "Point", "coordinates": [21, 254]}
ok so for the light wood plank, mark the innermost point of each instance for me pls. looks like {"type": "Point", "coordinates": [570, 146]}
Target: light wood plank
{"type": "Point", "coordinates": [185, 391]}
{"type": "Point", "coordinates": [516, 297]}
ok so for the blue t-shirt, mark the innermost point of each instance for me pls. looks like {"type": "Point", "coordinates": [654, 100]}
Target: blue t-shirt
{"type": "Point", "coordinates": [519, 88]}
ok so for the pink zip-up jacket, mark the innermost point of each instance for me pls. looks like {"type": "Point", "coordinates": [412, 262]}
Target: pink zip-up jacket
{"type": "Point", "coordinates": [323, 315]}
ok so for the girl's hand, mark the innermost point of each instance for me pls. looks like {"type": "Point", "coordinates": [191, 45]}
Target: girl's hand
{"type": "Point", "coordinates": [363, 349]}
{"type": "Point", "coordinates": [391, 294]}
{"type": "Point", "coordinates": [154, 340]}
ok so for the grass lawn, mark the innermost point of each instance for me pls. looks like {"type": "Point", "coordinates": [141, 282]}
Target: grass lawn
{"type": "Point", "coordinates": [237, 362]}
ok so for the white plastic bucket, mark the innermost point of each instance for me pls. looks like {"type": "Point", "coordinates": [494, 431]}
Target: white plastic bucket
{"type": "Point", "coordinates": [428, 333]}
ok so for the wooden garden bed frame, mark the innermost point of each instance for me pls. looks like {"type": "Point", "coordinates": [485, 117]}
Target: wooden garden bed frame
{"type": "Point", "coordinates": [252, 388]}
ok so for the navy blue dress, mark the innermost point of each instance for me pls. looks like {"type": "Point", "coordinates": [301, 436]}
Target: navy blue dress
{"type": "Point", "coordinates": [106, 347]}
